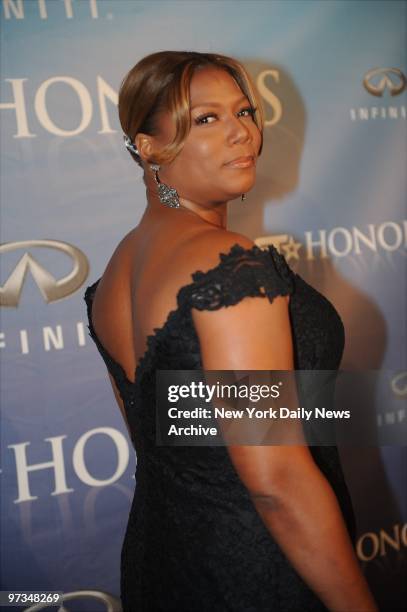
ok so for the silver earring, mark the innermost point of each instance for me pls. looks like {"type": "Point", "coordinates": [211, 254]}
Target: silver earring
{"type": "Point", "coordinates": [130, 146]}
{"type": "Point", "coordinates": [243, 197]}
{"type": "Point", "coordinates": [167, 195]}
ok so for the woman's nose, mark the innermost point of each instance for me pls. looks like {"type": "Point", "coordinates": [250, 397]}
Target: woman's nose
{"type": "Point", "coordinates": [238, 131]}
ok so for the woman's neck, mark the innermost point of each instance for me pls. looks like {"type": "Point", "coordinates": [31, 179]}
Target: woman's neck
{"type": "Point", "coordinates": [214, 215]}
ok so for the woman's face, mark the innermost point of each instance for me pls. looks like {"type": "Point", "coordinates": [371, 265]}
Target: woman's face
{"type": "Point", "coordinates": [218, 160]}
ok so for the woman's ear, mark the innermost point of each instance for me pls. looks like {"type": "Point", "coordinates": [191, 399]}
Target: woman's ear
{"type": "Point", "coordinates": [144, 144]}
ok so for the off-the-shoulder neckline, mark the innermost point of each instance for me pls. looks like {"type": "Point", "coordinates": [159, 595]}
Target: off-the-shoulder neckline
{"type": "Point", "coordinates": [152, 339]}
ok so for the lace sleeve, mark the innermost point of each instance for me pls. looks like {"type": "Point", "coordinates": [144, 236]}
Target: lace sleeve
{"type": "Point", "coordinates": [241, 272]}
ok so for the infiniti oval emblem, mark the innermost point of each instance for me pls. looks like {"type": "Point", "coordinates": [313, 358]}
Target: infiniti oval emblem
{"type": "Point", "coordinates": [110, 603]}
{"type": "Point", "coordinates": [399, 384]}
{"type": "Point", "coordinates": [51, 288]}
{"type": "Point", "coordinates": [376, 81]}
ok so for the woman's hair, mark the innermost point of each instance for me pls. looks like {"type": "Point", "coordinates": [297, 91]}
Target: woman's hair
{"type": "Point", "coordinates": [161, 81]}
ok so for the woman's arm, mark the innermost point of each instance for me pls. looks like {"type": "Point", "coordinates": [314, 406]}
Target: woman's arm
{"type": "Point", "coordinates": [290, 493]}
{"type": "Point", "coordinates": [301, 511]}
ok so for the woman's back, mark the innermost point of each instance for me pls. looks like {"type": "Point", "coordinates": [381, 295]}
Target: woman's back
{"type": "Point", "coordinates": [139, 286]}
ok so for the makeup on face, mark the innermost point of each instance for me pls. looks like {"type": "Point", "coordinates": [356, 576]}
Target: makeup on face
{"type": "Point", "coordinates": [218, 159]}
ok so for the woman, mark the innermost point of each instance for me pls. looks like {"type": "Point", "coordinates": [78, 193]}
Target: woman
{"type": "Point", "coordinates": [243, 528]}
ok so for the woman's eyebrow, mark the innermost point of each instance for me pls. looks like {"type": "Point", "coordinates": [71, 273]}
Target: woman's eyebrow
{"type": "Point", "coordinates": [217, 104]}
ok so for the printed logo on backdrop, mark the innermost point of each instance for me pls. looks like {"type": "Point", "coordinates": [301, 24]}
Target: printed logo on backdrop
{"type": "Point", "coordinates": [372, 545]}
{"type": "Point", "coordinates": [18, 103]}
{"type": "Point", "coordinates": [382, 83]}
{"type": "Point", "coordinates": [109, 602]}
{"type": "Point", "coordinates": [394, 413]}
{"type": "Point", "coordinates": [52, 289]}
{"type": "Point", "coordinates": [15, 9]}
{"type": "Point", "coordinates": [399, 385]}
{"type": "Point", "coordinates": [340, 241]}
{"type": "Point", "coordinates": [55, 468]}
{"type": "Point", "coordinates": [390, 79]}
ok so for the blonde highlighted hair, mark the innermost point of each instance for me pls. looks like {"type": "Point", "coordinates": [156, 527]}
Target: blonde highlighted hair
{"type": "Point", "coordinates": [161, 82]}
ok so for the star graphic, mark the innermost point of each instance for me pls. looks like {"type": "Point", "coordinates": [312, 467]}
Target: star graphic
{"type": "Point", "coordinates": [291, 249]}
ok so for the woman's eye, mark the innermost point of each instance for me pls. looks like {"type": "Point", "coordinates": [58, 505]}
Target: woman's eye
{"type": "Point", "coordinates": [211, 117]}
{"type": "Point", "coordinates": [247, 112]}
{"type": "Point", "coordinates": [204, 119]}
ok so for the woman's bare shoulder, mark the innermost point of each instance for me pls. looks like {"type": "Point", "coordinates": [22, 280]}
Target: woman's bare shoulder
{"type": "Point", "coordinates": [203, 250]}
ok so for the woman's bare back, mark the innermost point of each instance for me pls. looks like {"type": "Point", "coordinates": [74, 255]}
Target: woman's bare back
{"type": "Point", "coordinates": [140, 284]}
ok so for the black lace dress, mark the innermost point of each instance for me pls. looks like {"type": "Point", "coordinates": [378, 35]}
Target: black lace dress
{"type": "Point", "coordinates": [194, 541]}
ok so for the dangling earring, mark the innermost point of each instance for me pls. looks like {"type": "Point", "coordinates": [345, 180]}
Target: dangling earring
{"type": "Point", "coordinates": [243, 197]}
{"type": "Point", "coordinates": [167, 195]}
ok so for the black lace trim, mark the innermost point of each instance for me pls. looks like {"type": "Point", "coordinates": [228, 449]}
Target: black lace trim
{"type": "Point", "coordinates": [242, 273]}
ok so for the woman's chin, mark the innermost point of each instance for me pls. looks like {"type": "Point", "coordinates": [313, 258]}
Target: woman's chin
{"type": "Point", "coordinates": [243, 187]}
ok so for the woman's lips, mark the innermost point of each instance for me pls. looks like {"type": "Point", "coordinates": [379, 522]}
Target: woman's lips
{"type": "Point", "coordinates": [241, 162]}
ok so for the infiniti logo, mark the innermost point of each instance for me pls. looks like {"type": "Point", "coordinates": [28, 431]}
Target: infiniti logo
{"type": "Point", "coordinates": [110, 603]}
{"type": "Point", "coordinates": [399, 384]}
{"type": "Point", "coordinates": [51, 288]}
{"type": "Point", "coordinates": [376, 81]}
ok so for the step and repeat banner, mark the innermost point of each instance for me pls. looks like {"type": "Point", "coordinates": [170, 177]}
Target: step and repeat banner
{"type": "Point", "coordinates": [330, 196]}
